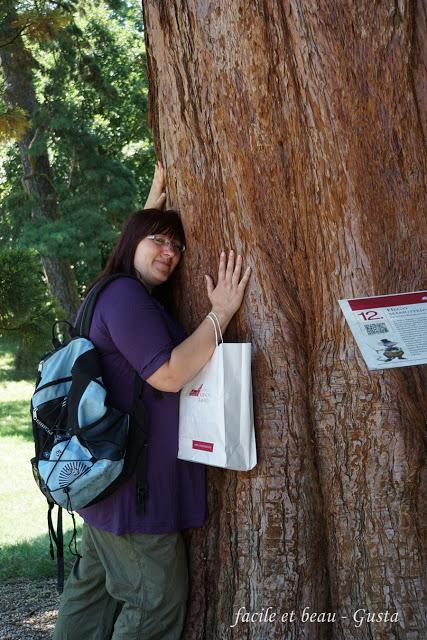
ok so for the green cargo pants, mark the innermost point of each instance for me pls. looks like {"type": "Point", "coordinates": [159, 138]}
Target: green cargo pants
{"type": "Point", "coordinates": [131, 587]}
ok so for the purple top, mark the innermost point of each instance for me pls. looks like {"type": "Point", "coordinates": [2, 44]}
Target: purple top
{"type": "Point", "coordinates": [132, 331]}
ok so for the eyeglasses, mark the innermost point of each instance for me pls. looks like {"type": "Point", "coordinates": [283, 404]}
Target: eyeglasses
{"type": "Point", "coordinates": [174, 246]}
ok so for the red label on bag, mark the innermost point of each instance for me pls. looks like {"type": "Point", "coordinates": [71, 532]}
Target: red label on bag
{"type": "Point", "coordinates": [195, 392]}
{"type": "Point", "coordinates": [203, 446]}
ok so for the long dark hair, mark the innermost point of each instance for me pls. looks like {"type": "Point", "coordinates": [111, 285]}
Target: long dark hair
{"type": "Point", "coordinates": [138, 226]}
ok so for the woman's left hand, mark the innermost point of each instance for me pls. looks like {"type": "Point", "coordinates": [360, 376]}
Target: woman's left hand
{"type": "Point", "coordinates": [226, 295]}
{"type": "Point", "coordinates": [157, 196]}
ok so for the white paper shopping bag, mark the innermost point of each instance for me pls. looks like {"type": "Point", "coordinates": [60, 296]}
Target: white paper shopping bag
{"type": "Point", "coordinates": [216, 424]}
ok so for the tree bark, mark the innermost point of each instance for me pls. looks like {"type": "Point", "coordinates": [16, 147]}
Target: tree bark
{"type": "Point", "coordinates": [295, 133]}
{"type": "Point", "coordinates": [16, 62]}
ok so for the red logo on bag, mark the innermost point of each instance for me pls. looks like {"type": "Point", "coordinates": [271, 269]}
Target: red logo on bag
{"type": "Point", "coordinates": [203, 446]}
{"type": "Point", "coordinates": [195, 392]}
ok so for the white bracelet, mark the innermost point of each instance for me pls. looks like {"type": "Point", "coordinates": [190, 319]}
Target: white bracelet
{"type": "Point", "coordinates": [214, 324]}
{"type": "Point", "coordinates": [214, 319]}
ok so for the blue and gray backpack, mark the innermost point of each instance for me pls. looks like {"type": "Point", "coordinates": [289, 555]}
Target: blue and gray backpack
{"type": "Point", "coordinates": [84, 449]}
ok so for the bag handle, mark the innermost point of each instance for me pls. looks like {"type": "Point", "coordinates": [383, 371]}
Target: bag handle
{"type": "Point", "coordinates": [214, 319]}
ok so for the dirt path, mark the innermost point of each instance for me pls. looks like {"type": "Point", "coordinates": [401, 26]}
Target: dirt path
{"type": "Point", "coordinates": [28, 609]}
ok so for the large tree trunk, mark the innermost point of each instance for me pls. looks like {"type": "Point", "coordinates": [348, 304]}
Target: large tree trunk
{"type": "Point", "coordinates": [295, 132]}
{"type": "Point", "coordinates": [16, 63]}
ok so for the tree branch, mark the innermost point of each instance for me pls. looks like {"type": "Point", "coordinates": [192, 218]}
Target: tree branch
{"type": "Point", "coordinates": [12, 40]}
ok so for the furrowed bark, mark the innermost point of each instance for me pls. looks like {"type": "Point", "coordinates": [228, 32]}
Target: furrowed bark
{"type": "Point", "coordinates": [294, 132]}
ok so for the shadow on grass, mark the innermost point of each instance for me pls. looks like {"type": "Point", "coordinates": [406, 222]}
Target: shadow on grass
{"type": "Point", "coordinates": [15, 419]}
{"type": "Point", "coordinates": [8, 370]}
{"type": "Point", "coordinates": [31, 559]}
{"type": "Point", "coordinates": [7, 349]}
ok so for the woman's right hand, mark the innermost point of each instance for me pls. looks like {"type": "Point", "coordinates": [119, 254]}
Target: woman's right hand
{"type": "Point", "coordinates": [227, 295]}
{"type": "Point", "coordinates": [157, 196]}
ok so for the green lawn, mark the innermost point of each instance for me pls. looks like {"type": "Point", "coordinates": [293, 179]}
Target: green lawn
{"type": "Point", "coordinates": [24, 543]}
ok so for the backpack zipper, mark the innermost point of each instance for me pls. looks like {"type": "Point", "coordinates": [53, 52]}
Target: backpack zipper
{"type": "Point", "coordinates": [41, 424]}
{"type": "Point", "coordinates": [53, 382]}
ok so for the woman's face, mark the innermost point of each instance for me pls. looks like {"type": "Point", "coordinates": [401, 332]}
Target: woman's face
{"type": "Point", "coordinates": [155, 262]}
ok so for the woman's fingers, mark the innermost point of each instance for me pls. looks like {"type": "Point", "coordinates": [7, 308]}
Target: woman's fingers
{"type": "Point", "coordinates": [209, 285]}
{"type": "Point", "coordinates": [227, 295]}
{"type": "Point", "coordinates": [244, 281]}
{"type": "Point", "coordinates": [230, 266]}
{"type": "Point", "coordinates": [161, 201]}
{"type": "Point", "coordinates": [236, 273]}
{"type": "Point", "coordinates": [156, 197]}
{"type": "Point", "coordinates": [230, 269]}
{"type": "Point", "coordinates": [159, 175]}
{"type": "Point", "coordinates": [221, 268]}
{"type": "Point", "coordinates": [159, 171]}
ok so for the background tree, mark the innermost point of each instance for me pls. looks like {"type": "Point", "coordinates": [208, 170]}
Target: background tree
{"type": "Point", "coordinates": [26, 312]}
{"type": "Point", "coordinates": [295, 133]}
{"type": "Point", "coordinates": [17, 62]}
{"type": "Point", "coordinates": [84, 68]}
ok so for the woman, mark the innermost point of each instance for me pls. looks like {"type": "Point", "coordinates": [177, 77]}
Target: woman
{"type": "Point", "coordinates": [131, 580]}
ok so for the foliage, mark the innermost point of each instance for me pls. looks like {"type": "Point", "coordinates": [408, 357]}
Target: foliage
{"type": "Point", "coordinates": [89, 77]}
{"type": "Point", "coordinates": [14, 122]}
{"type": "Point", "coordinates": [87, 63]}
{"type": "Point", "coordinates": [26, 313]}
{"type": "Point", "coordinates": [41, 26]}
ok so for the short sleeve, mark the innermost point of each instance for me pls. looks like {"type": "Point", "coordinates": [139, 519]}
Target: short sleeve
{"type": "Point", "coordinates": [136, 325]}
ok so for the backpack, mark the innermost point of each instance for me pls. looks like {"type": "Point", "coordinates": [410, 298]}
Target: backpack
{"type": "Point", "coordinates": [84, 449]}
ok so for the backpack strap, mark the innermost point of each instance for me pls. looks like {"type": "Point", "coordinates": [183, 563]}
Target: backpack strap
{"type": "Point", "coordinates": [85, 315]}
{"type": "Point", "coordinates": [58, 538]}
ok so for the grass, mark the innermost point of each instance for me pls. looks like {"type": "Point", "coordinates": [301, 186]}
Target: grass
{"type": "Point", "coordinates": [24, 542]}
